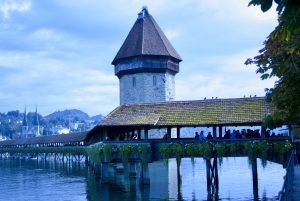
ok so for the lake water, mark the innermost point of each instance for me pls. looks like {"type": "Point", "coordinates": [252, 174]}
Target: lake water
{"type": "Point", "coordinates": [48, 180]}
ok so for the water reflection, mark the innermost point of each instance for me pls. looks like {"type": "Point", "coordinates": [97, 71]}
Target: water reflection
{"type": "Point", "coordinates": [42, 180]}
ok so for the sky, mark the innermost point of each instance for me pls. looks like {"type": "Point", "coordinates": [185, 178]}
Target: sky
{"type": "Point", "coordinates": [57, 54]}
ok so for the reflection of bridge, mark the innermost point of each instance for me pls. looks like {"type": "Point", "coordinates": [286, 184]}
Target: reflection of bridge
{"type": "Point", "coordinates": [65, 151]}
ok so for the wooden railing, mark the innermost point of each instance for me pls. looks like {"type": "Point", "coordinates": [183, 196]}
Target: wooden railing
{"type": "Point", "coordinates": [287, 188]}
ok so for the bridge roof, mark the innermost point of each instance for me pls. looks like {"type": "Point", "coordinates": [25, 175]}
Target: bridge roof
{"type": "Point", "coordinates": [65, 138]}
{"type": "Point", "coordinates": [237, 111]}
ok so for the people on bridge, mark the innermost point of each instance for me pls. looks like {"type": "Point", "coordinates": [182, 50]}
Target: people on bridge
{"type": "Point", "coordinates": [209, 136]}
{"type": "Point", "coordinates": [197, 136]}
{"type": "Point", "coordinates": [232, 135]}
{"type": "Point", "coordinates": [227, 134]}
{"type": "Point", "coordinates": [201, 137]}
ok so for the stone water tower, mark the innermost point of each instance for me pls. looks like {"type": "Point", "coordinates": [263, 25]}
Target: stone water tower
{"type": "Point", "coordinates": [146, 64]}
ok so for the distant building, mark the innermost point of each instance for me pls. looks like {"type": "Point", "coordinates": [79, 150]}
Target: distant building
{"type": "Point", "coordinates": [146, 64]}
{"type": "Point", "coordinates": [29, 131]}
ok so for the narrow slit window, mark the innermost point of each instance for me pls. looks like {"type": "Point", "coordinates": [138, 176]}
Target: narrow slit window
{"type": "Point", "coordinates": [133, 82]}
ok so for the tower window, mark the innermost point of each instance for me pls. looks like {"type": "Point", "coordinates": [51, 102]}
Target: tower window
{"type": "Point", "coordinates": [133, 82]}
{"type": "Point", "coordinates": [154, 80]}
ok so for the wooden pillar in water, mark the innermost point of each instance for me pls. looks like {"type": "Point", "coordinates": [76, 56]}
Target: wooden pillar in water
{"type": "Point", "coordinates": [104, 173]}
{"type": "Point", "coordinates": [178, 179]}
{"type": "Point", "coordinates": [255, 178]}
{"type": "Point", "coordinates": [212, 178]}
{"type": "Point", "coordinates": [132, 169]}
{"type": "Point", "coordinates": [216, 176]}
{"type": "Point", "coordinates": [144, 174]}
{"type": "Point", "coordinates": [208, 175]}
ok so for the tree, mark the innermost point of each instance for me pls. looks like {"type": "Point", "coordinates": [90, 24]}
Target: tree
{"type": "Point", "coordinates": [280, 58]}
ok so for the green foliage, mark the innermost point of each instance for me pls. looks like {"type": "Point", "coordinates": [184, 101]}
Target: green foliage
{"type": "Point", "coordinates": [190, 150]}
{"type": "Point", "coordinates": [165, 151]}
{"type": "Point", "coordinates": [126, 151]}
{"type": "Point", "coordinates": [143, 151]}
{"type": "Point", "coordinates": [107, 150]}
{"type": "Point", "coordinates": [282, 148]}
{"type": "Point", "coordinates": [258, 149]}
{"type": "Point", "coordinates": [177, 151]}
{"type": "Point", "coordinates": [204, 150]}
{"type": "Point", "coordinates": [234, 147]}
{"type": "Point", "coordinates": [280, 58]}
{"type": "Point", "coordinates": [221, 149]}
{"type": "Point", "coordinates": [95, 153]}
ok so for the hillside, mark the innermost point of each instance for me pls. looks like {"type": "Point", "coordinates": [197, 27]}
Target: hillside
{"type": "Point", "coordinates": [11, 122]}
{"type": "Point", "coordinates": [72, 114]}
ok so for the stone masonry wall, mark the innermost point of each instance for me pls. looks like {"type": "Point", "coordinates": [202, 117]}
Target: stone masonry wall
{"type": "Point", "coordinates": [146, 89]}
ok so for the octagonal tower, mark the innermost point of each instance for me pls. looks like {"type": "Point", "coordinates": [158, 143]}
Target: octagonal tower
{"type": "Point", "coordinates": [146, 64]}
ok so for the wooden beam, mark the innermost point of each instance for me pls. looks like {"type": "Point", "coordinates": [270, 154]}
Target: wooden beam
{"type": "Point", "coordinates": [169, 133]}
{"type": "Point", "coordinates": [145, 133]}
{"type": "Point", "coordinates": [178, 132]}
{"type": "Point", "coordinates": [214, 132]}
{"type": "Point", "coordinates": [220, 131]}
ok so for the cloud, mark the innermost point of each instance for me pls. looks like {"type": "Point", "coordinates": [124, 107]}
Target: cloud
{"type": "Point", "coordinates": [7, 7]}
{"type": "Point", "coordinates": [228, 78]}
{"type": "Point", "coordinates": [58, 54]}
{"type": "Point", "coordinates": [52, 81]}
{"type": "Point", "coordinates": [172, 34]}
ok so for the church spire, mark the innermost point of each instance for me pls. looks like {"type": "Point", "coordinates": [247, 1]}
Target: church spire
{"type": "Point", "coordinates": [36, 118]}
{"type": "Point", "coordinates": [25, 118]}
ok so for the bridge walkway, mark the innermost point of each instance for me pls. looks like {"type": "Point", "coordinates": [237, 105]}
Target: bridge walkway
{"type": "Point", "coordinates": [296, 183]}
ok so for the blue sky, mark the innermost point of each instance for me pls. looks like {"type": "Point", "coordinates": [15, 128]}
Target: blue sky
{"type": "Point", "coordinates": [57, 54]}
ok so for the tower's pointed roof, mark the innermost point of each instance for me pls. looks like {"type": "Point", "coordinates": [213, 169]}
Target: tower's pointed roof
{"type": "Point", "coordinates": [146, 38]}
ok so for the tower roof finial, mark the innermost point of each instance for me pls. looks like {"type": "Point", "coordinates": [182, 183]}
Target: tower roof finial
{"type": "Point", "coordinates": [145, 8]}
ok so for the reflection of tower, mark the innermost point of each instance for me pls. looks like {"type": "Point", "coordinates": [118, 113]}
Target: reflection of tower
{"type": "Point", "coordinates": [24, 125]}
{"type": "Point", "coordinates": [36, 125]}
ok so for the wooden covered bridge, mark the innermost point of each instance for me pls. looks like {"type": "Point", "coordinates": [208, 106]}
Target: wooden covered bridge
{"type": "Point", "coordinates": [73, 139]}
{"type": "Point", "coordinates": [137, 119]}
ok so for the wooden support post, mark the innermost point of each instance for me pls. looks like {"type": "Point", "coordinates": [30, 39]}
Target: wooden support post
{"type": "Point", "coordinates": [144, 174]}
{"type": "Point", "coordinates": [263, 131]}
{"type": "Point", "coordinates": [146, 134]}
{"type": "Point", "coordinates": [178, 132]}
{"type": "Point", "coordinates": [214, 132]}
{"type": "Point", "coordinates": [255, 178]}
{"type": "Point", "coordinates": [291, 134]}
{"type": "Point", "coordinates": [169, 133]}
{"type": "Point", "coordinates": [104, 173]}
{"type": "Point", "coordinates": [105, 136]}
{"type": "Point", "coordinates": [132, 169]}
{"type": "Point", "coordinates": [216, 174]}
{"type": "Point", "coordinates": [220, 132]}
{"type": "Point", "coordinates": [208, 175]}
{"type": "Point", "coordinates": [139, 134]}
